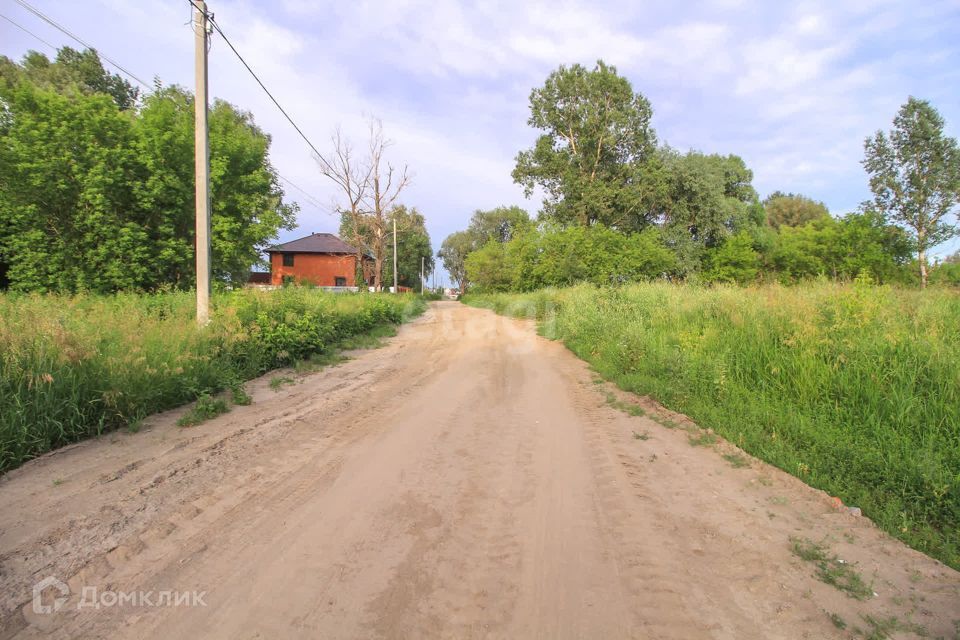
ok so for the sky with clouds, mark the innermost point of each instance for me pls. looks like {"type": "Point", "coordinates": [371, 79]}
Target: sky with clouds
{"type": "Point", "coordinates": [793, 88]}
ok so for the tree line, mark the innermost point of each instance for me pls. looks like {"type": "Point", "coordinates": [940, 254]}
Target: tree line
{"type": "Point", "coordinates": [619, 206]}
{"type": "Point", "coordinates": [97, 184]}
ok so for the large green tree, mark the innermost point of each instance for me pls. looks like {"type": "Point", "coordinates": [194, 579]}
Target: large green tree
{"type": "Point", "coordinates": [71, 71]}
{"type": "Point", "coordinates": [704, 200]}
{"type": "Point", "coordinates": [915, 176]}
{"type": "Point", "coordinates": [589, 159]}
{"type": "Point", "coordinates": [98, 197]}
{"type": "Point", "coordinates": [453, 253]}
{"type": "Point", "coordinates": [413, 247]}
{"type": "Point", "coordinates": [792, 209]}
{"type": "Point", "coordinates": [500, 224]}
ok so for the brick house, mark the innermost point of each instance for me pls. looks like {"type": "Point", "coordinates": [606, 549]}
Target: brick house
{"type": "Point", "coordinates": [321, 259]}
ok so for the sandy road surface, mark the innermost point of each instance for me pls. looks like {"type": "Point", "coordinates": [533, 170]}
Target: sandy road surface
{"type": "Point", "coordinates": [468, 480]}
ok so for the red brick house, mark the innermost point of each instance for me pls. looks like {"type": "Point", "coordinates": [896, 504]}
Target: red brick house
{"type": "Point", "coordinates": [321, 259]}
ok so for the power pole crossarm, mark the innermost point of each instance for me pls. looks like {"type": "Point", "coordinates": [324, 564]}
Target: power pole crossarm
{"type": "Point", "coordinates": [202, 165]}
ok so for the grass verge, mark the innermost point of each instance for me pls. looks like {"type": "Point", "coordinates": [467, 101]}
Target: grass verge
{"type": "Point", "coordinates": [77, 366]}
{"type": "Point", "coordinates": [854, 389]}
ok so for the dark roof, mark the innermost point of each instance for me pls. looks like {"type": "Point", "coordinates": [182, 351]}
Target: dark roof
{"type": "Point", "coordinates": [314, 243]}
{"type": "Point", "coordinates": [259, 277]}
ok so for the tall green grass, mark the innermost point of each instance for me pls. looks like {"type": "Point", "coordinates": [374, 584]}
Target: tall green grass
{"type": "Point", "coordinates": [76, 366]}
{"type": "Point", "coordinates": [854, 389]}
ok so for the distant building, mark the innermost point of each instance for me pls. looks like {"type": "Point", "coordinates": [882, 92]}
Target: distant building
{"type": "Point", "coordinates": [321, 259]}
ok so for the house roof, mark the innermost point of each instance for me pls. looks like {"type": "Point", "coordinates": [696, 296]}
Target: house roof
{"type": "Point", "coordinates": [314, 243]}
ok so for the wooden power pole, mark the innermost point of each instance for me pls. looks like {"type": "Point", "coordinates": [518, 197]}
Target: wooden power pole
{"type": "Point", "coordinates": [202, 166]}
{"type": "Point", "coordinates": [395, 289]}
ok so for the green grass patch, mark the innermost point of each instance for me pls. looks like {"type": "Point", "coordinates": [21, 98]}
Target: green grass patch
{"type": "Point", "coordinates": [206, 408]}
{"type": "Point", "coordinates": [77, 366]}
{"type": "Point", "coordinates": [703, 439]}
{"type": "Point", "coordinates": [736, 460]}
{"type": "Point", "coordinates": [278, 382]}
{"type": "Point", "coordinates": [830, 569]}
{"type": "Point", "coordinates": [853, 388]}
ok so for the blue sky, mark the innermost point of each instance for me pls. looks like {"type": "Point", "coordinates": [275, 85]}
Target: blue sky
{"type": "Point", "coordinates": [793, 88]}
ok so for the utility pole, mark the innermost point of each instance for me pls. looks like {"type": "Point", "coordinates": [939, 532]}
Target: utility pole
{"type": "Point", "coordinates": [395, 288]}
{"type": "Point", "coordinates": [202, 165]}
{"type": "Point", "coordinates": [421, 274]}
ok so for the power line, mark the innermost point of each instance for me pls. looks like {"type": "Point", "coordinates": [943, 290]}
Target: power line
{"type": "Point", "coordinates": [66, 31]}
{"type": "Point", "coordinates": [310, 198]}
{"type": "Point", "coordinates": [27, 31]}
{"type": "Point", "coordinates": [260, 82]}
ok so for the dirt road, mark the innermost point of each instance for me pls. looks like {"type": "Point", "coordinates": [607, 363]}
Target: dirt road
{"type": "Point", "coordinates": [468, 480]}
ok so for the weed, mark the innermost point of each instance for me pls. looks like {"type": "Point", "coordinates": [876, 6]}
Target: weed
{"type": "Point", "coordinates": [831, 569]}
{"type": "Point", "coordinates": [736, 460]}
{"type": "Point", "coordinates": [837, 621]}
{"type": "Point", "coordinates": [703, 439]}
{"type": "Point", "coordinates": [239, 395]}
{"type": "Point", "coordinates": [626, 407]}
{"type": "Point", "coordinates": [641, 436]}
{"type": "Point", "coordinates": [72, 366]}
{"type": "Point", "coordinates": [58, 482]}
{"type": "Point", "coordinates": [206, 408]}
{"type": "Point", "coordinates": [884, 628]}
{"type": "Point", "coordinates": [781, 501]}
{"type": "Point", "coordinates": [277, 382]}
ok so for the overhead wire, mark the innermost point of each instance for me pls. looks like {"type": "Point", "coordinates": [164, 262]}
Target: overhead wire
{"type": "Point", "coordinates": [27, 31]}
{"type": "Point", "coordinates": [55, 24]}
{"type": "Point", "coordinates": [310, 198]}
{"type": "Point", "coordinates": [270, 95]}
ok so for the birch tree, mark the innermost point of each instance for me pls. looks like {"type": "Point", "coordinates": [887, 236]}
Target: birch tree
{"type": "Point", "coordinates": [915, 177]}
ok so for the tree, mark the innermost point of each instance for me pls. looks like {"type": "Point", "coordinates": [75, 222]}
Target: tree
{"type": "Point", "coordinates": [386, 183]}
{"type": "Point", "coordinates": [413, 247]}
{"type": "Point", "coordinates": [97, 198]}
{"type": "Point", "coordinates": [704, 200]}
{"type": "Point", "coordinates": [589, 160]}
{"type": "Point", "coordinates": [500, 224]}
{"type": "Point", "coordinates": [842, 249]}
{"type": "Point", "coordinates": [370, 187]}
{"type": "Point", "coordinates": [453, 252]}
{"type": "Point", "coordinates": [71, 71]}
{"type": "Point", "coordinates": [733, 261]}
{"type": "Point", "coordinates": [792, 210]}
{"type": "Point", "coordinates": [352, 177]}
{"type": "Point", "coordinates": [915, 176]}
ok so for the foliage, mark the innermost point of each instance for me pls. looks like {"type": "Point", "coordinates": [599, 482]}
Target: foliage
{"type": "Point", "coordinates": [413, 245]}
{"type": "Point", "coordinates": [947, 272]}
{"type": "Point", "coordinates": [501, 224]}
{"type": "Point", "coordinates": [561, 257]}
{"type": "Point", "coordinates": [707, 199]}
{"type": "Point", "coordinates": [453, 252]}
{"type": "Point", "coordinates": [734, 261]}
{"type": "Point", "coordinates": [851, 387]}
{"type": "Point", "coordinates": [792, 209]}
{"type": "Point", "coordinates": [842, 249]}
{"type": "Point", "coordinates": [71, 72]}
{"type": "Point", "coordinates": [597, 133]}
{"type": "Point", "coordinates": [96, 198]}
{"type": "Point", "coordinates": [915, 176]}
{"type": "Point", "coordinates": [76, 366]}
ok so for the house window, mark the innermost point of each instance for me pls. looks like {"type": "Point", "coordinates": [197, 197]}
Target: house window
{"type": "Point", "coordinates": [339, 281]}
{"type": "Point", "coordinates": [288, 259]}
